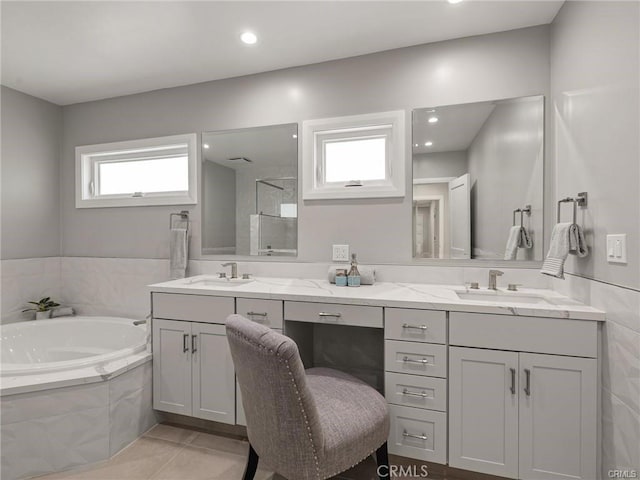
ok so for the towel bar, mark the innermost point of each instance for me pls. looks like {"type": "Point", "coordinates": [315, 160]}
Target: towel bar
{"type": "Point", "coordinates": [522, 211]}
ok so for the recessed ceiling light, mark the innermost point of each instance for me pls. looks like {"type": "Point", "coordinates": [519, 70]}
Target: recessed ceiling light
{"type": "Point", "coordinates": [294, 135]}
{"type": "Point", "coordinates": [454, 1]}
{"type": "Point", "coordinates": [205, 145]}
{"type": "Point", "coordinates": [415, 144]}
{"type": "Point", "coordinates": [433, 120]}
{"type": "Point", "coordinates": [428, 144]}
{"type": "Point", "coordinates": [249, 38]}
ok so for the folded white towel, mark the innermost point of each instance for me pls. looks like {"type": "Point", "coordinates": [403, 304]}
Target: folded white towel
{"type": "Point", "coordinates": [178, 253]}
{"type": "Point", "coordinates": [367, 274]}
{"type": "Point", "coordinates": [513, 240]}
{"type": "Point", "coordinates": [525, 239]}
{"type": "Point", "coordinates": [565, 238]}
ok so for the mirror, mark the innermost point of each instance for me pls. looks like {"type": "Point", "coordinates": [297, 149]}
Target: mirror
{"type": "Point", "coordinates": [250, 191]}
{"type": "Point", "coordinates": [478, 180]}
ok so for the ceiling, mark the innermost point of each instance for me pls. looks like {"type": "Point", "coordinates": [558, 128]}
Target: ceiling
{"type": "Point", "coordinates": [78, 51]}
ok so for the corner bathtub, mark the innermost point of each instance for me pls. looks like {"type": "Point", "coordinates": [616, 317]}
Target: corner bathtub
{"type": "Point", "coordinates": [74, 390]}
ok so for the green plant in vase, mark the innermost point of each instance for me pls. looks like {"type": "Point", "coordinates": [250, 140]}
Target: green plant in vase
{"type": "Point", "coordinates": [42, 307]}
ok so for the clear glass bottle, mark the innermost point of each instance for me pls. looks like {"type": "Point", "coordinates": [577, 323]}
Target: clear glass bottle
{"type": "Point", "coordinates": [353, 278]}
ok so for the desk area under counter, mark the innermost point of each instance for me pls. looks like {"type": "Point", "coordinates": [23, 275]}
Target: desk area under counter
{"type": "Point", "coordinates": [443, 363]}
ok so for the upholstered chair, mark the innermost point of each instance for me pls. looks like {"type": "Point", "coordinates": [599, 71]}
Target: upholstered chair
{"type": "Point", "coordinates": [304, 425]}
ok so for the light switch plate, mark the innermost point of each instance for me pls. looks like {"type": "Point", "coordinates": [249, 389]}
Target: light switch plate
{"type": "Point", "coordinates": [340, 253]}
{"type": "Point", "coordinates": [617, 248]}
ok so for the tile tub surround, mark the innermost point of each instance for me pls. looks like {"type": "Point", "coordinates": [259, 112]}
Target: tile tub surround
{"type": "Point", "coordinates": [620, 368]}
{"type": "Point", "coordinates": [61, 428]}
{"type": "Point", "coordinates": [25, 280]}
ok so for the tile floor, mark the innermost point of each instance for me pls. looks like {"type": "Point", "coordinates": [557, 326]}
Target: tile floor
{"type": "Point", "coordinates": [171, 453]}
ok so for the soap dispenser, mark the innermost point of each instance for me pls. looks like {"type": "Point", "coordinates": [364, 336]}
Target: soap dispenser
{"type": "Point", "coordinates": [353, 278]}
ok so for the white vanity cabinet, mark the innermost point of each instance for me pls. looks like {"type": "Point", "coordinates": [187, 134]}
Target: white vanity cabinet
{"type": "Point", "coordinates": [520, 414]}
{"type": "Point", "coordinates": [415, 382]}
{"type": "Point", "coordinates": [192, 367]}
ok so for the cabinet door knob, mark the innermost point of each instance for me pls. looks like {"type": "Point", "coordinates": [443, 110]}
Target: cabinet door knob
{"type": "Point", "coordinates": [411, 435]}
{"type": "Point", "coordinates": [527, 386]}
{"type": "Point", "coordinates": [185, 341]}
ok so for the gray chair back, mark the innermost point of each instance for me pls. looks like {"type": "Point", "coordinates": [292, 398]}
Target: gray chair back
{"type": "Point", "coordinates": [283, 425]}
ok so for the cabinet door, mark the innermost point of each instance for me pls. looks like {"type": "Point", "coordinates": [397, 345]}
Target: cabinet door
{"type": "Point", "coordinates": [214, 383]}
{"type": "Point", "coordinates": [483, 411]}
{"type": "Point", "coordinates": [171, 366]}
{"type": "Point", "coordinates": [558, 417]}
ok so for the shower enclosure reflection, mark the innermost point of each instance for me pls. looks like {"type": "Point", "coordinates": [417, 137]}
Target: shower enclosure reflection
{"type": "Point", "coordinates": [250, 194]}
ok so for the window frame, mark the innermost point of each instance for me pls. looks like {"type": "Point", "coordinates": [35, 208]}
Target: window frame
{"type": "Point", "coordinates": [89, 157]}
{"type": "Point", "coordinates": [317, 133]}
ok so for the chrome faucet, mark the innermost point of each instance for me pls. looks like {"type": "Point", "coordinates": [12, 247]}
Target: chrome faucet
{"type": "Point", "coordinates": [493, 275]}
{"type": "Point", "coordinates": [234, 268]}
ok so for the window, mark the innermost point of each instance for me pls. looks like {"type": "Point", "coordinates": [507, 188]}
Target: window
{"type": "Point", "coordinates": [153, 171]}
{"type": "Point", "coordinates": [359, 156]}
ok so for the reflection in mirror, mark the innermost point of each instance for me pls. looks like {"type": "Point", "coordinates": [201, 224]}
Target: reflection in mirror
{"type": "Point", "coordinates": [478, 180]}
{"type": "Point", "coordinates": [250, 191]}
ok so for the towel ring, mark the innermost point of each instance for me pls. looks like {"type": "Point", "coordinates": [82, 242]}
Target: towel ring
{"type": "Point", "coordinates": [581, 200]}
{"type": "Point", "coordinates": [184, 217]}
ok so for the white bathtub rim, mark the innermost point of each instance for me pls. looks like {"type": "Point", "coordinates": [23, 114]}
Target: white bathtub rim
{"type": "Point", "coordinates": [29, 369]}
{"type": "Point", "coordinates": [81, 376]}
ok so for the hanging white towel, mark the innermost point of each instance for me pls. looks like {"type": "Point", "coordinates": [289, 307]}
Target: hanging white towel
{"type": "Point", "coordinates": [577, 243]}
{"type": "Point", "coordinates": [513, 242]}
{"type": "Point", "coordinates": [178, 253]}
{"type": "Point", "coordinates": [558, 250]}
{"type": "Point", "coordinates": [524, 240]}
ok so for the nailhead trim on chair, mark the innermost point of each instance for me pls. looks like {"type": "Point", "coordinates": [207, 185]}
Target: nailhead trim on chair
{"type": "Point", "coordinates": [304, 413]}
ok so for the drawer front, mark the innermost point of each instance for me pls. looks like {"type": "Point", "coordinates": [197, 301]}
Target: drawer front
{"type": "Point", "coordinates": [358, 315]}
{"type": "Point", "coordinates": [558, 336]}
{"type": "Point", "coordinates": [415, 358]}
{"type": "Point", "coordinates": [266, 312]}
{"type": "Point", "coordinates": [415, 325]}
{"type": "Point", "coordinates": [416, 391]}
{"type": "Point", "coordinates": [195, 308]}
{"type": "Point", "coordinates": [418, 433]}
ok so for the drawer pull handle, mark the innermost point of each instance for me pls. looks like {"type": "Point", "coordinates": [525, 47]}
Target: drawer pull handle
{"type": "Point", "coordinates": [194, 349]}
{"type": "Point", "coordinates": [327, 314]}
{"type": "Point", "coordinates": [422, 361]}
{"type": "Point", "coordinates": [417, 327]}
{"type": "Point", "coordinates": [256, 314]}
{"type": "Point", "coordinates": [411, 435]}
{"type": "Point", "coordinates": [513, 381]}
{"type": "Point", "coordinates": [185, 341]}
{"type": "Point", "coordinates": [527, 386]}
{"type": "Point", "coordinates": [409, 393]}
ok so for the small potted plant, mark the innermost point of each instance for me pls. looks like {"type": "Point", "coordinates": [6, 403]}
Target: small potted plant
{"type": "Point", "coordinates": [42, 307]}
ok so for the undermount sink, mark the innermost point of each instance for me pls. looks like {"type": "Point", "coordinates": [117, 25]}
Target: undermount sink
{"type": "Point", "coordinates": [486, 296]}
{"type": "Point", "coordinates": [218, 281]}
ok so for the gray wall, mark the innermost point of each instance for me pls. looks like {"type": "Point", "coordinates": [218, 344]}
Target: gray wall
{"type": "Point", "coordinates": [594, 78]}
{"type": "Point", "coordinates": [440, 164]}
{"type": "Point", "coordinates": [219, 206]}
{"type": "Point", "coordinates": [506, 168]}
{"type": "Point", "coordinates": [472, 69]}
{"type": "Point", "coordinates": [31, 133]}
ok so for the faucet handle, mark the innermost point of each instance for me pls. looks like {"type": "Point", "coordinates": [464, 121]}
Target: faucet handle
{"type": "Point", "coordinates": [513, 287]}
{"type": "Point", "coordinates": [246, 276]}
{"type": "Point", "coordinates": [473, 285]}
{"type": "Point", "coordinates": [222, 274]}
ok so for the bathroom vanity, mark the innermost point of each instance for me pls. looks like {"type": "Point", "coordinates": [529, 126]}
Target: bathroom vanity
{"type": "Point", "coordinates": [504, 383]}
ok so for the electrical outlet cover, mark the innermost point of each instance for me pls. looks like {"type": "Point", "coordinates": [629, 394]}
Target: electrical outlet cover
{"type": "Point", "coordinates": [340, 253]}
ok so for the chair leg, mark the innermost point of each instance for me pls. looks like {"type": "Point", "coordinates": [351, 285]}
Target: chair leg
{"type": "Point", "coordinates": [252, 464]}
{"type": "Point", "coordinates": [382, 459]}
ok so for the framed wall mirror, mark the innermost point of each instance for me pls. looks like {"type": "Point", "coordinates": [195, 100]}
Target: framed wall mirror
{"type": "Point", "coordinates": [250, 191]}
{"type": "Point", "coordinates": [478, 180]}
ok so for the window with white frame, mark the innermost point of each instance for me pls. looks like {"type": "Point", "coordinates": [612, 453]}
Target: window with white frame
{"type": "Point", "coordinates": [360, 156]}
{"type": "Point", "coordinates": [151, 171]}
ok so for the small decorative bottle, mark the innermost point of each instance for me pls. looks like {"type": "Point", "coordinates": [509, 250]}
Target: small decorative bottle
{"type": "Point", "coordinates": [353, 278]}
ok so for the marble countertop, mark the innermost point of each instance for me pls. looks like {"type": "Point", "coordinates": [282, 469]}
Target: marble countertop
{"type": "Point", "coordinates": [524, 302]}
